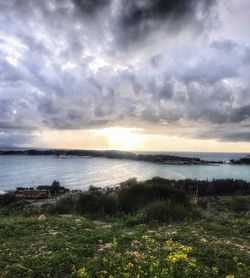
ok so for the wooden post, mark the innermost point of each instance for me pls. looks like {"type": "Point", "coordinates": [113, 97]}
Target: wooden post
{"type": "Point", "coordinates": [196, 195]}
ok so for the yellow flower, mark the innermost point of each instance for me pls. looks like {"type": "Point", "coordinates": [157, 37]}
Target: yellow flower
{"type": "Point", "coordinates": [215, 270]}
{"type": "Point", "coordinates": [192, 263]}
{"type": "Point", "coordinates": [129, 265]}
{"type": "Point", "coordinates": [188, 249]}
{"type": "Point", "coordinates": [176, 257]}
{"type": "Point", "coordinates": [82, 273]}
{"type": "Point", "coordinates": [230, 276]}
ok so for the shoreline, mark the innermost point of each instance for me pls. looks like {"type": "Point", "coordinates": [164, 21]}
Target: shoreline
{"type": "Point", "coordinates": [113, 154]}
{"type": "Point", "coordinates": [154, 158]}
{"type": "Point", "coordinates": [215, 187]}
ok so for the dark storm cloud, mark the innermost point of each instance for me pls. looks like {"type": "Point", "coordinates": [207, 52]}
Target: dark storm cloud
{"type": "Point", "coordinates": [140, 17]}
{"type": "Point", "coordinates": [88, 7]}
{"type": "Point", "coordinates": [74, 64]}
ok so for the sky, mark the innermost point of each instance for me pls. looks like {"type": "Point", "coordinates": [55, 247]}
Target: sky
{"type": "Point", "coordinates": [155, 75]}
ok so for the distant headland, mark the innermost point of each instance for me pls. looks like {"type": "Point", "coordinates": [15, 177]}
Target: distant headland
{"type": "Point", "coordinates": [155, 158]}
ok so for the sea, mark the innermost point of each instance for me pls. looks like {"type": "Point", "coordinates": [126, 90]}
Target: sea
{"type": "Point", "coordinates": [81, 172]}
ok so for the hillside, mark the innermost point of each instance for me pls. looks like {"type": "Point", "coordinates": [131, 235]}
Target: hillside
{"type": "Point", "coordinates": [140, 230]}
{"type": "Point", "coordinates": [215, 246]}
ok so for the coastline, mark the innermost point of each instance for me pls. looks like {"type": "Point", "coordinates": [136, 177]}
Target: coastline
{"type": "Point", "coordinates": [154, 158]}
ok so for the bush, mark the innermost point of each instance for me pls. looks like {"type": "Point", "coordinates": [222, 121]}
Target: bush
{"type": "Point", "coordinates": [238, 204]}
{"type": "Point", "coordinates": [96, 203]}
{"type": "Point", "coordinates": [165, 211]}
{"type": "Point", "coordinates": [136, 197]}
{"type": "Point", "coordinates": [86, 203]}
{"type": "Point", "coordinates": [66, 204]}
{"type": "Point", "coordinates": [7, 199]}
{"type": "Point", "coordinates": [11, 204]}
{"type": "Point", "coordinates": [166, 202]}
{"type": "Point", "coordinates": [129, 182]}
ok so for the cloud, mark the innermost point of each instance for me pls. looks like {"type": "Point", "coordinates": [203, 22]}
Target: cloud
{"type": "Point", "coordinates": [90, 6]}
{"type": "Point", "coordinates": [14, 138]}
{"type": "Point", "coordinates": [85, 64]}
{"type": "Point", "coordinates": [226, 134]}
{"type": "Point", "coordinates": [138, 19]}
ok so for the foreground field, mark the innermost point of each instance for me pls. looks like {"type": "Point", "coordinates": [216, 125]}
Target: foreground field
{"type": "Point", "coordinates": [216, 245]}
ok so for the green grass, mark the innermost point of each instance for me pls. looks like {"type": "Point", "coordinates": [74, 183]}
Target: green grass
{"type": "Point", "coordinates": [60, 246]}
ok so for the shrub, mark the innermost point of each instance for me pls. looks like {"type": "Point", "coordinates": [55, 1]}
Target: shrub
{"type": "Point", "coordinates": [87, 203]}
{"type": "Point", "coordinates": [129, 182]}
{"type": "Point", "coordinates": [166, 202]}
{"type": "Point", "coordinates": [238, 204]}
{"type": "Point", "coordinates": [7, 199]}
{"type": "Point", "coordinates": [10, 203]}
{"type": "Point", "coordinates": [136, 197]}
{"type": "Point", "coordinates": [96, 203]}
{"type": "Point", "coordinates": [66, 204]}
{"type": "Point", "coordinates": [165, 211]}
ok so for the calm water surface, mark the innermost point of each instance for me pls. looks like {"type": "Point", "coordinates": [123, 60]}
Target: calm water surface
{"type": "Point", "coordinates": [79, 173]}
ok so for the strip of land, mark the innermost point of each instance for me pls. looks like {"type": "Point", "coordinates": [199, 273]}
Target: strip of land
{"type": "Point", "coordinates": [156, 158]}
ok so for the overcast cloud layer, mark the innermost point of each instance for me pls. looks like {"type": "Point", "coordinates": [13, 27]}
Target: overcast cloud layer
{"type": "Point", "coordinates": [82, 64]}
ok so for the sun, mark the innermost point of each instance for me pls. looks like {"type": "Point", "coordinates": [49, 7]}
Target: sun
{"type": "Point", "coordinates": [123, 138]}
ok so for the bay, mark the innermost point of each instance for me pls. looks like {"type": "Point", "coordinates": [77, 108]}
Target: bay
{"type": "Point", "coordinates": [80, 172]}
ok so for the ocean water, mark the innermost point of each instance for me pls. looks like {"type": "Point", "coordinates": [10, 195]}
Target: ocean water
{"type": "Point", "coordinates": [80, 172]}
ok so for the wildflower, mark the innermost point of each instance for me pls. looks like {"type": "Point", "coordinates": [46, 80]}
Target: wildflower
{"type": "Point", "coordinates": [129, 265]}
{"type": "Point", "coordinates": [235, 259]}
{"type": "Point", "coordinates": [176, 257]}
{"type": "Point", "coordinates": [135, 242]}
{"type": "Point", "coordinates": [103, 273]}
{"type": "Point", "coordinates": [240, 265]}
{"type": "Point", "coordinates": [188, 249]}
{"type": "Point", "coordinates": [103, 246]}
{"type": "Point", "coordinates": [230, 276]}
{"type": "Point", "coordinates": [192, 263]}
{"type": "Point", "coordinates": [82, 273]}
{"type": "Point", "coordinates": [215, 270]}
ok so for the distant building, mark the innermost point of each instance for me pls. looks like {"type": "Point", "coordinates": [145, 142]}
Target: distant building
{"type": "Point", "coordinates": [33, 194]}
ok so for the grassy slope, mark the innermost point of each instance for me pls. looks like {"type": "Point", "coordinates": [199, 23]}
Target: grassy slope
{"type": "Point", "coordinates": [58, 246]}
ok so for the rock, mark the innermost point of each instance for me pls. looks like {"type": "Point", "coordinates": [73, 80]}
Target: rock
{"type": "Point", "coordinates": [67, 215]}
{"type": "Point", "coordinates": [41, 218]}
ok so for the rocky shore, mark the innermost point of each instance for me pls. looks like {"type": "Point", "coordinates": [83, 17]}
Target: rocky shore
{"type": "Point", "coordinates": [244, 160]}
{"type": "Point", "coordinates": [155, 158]}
